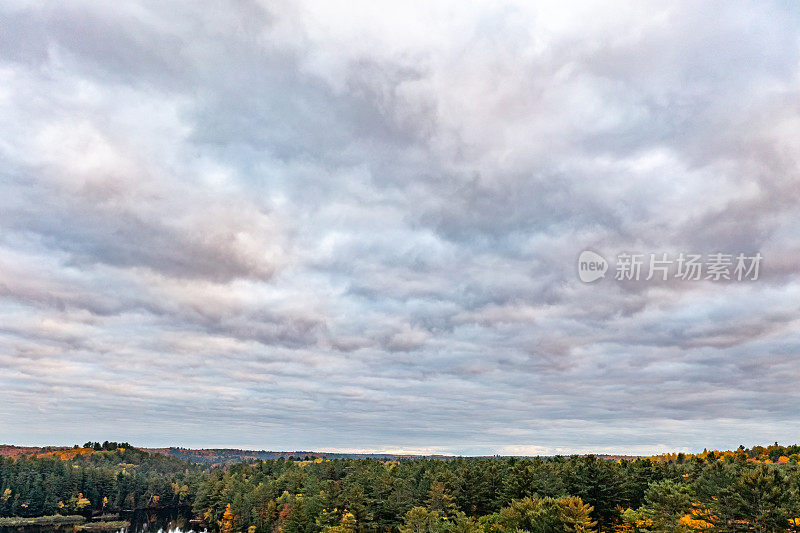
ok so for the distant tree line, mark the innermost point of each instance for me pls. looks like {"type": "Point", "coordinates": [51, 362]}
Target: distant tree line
{"type": "Point", "coordinates": [106, 445]}
{"type": "Point", "coordinates": [737, 491]}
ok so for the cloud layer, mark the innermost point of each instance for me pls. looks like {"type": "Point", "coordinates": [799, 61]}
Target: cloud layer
{"type": "Point", "coordinates": [290, 225]}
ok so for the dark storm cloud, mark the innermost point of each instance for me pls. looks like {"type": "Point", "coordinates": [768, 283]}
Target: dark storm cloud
{"type": "Point", "coordinates": [311, 227]}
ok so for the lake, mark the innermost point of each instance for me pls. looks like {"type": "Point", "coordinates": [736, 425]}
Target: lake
{"type": "Point", "coordinates": [143, 521]}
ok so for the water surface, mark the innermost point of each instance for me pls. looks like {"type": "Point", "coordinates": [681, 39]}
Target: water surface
{"type": "Point", "coordinates": [144, 521]}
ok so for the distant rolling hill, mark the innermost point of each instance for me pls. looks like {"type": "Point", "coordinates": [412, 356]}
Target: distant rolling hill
{"type": "Point", "coordinates": [221, 456]}
{"type": "Point", "coordinates": [231, 455]}
{"type": "Point", "coordinates": [9, 450]}
{"type": "Point", "coordinates": [208, 456]}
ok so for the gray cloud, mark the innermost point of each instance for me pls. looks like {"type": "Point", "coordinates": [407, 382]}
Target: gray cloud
{"type": "Point", "coordinates": [288, 225]}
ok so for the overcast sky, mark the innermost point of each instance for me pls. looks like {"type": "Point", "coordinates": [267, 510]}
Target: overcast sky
{"type": "Point", "coordinates": [302, 225]}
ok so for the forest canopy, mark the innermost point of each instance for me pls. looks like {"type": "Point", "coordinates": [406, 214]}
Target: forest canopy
{"type": "Point", "coordinates": [756, 489]}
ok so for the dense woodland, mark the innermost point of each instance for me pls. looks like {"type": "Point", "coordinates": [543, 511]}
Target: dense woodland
{"type": "Point", "coordinates": [754, 489]}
